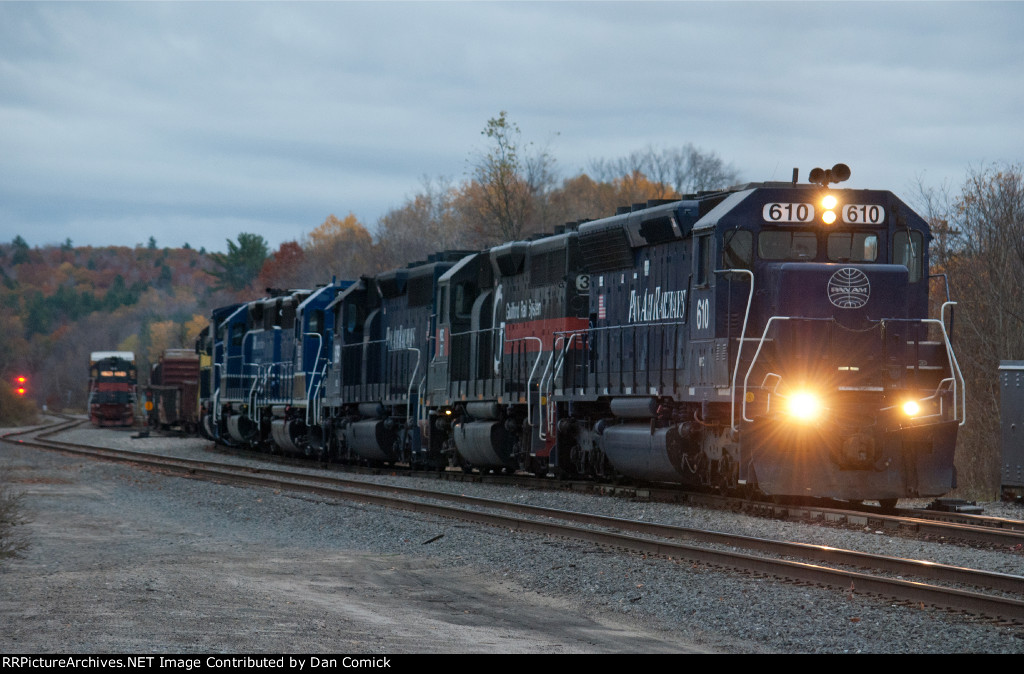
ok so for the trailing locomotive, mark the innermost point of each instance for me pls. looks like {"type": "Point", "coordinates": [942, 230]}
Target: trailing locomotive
{"type": "Point", "coordinates": [268, 359]}
{"type": "Point", "coordinates": [112, 388]}
{"type": "Point", "coordinates": [373, 400]}
{"type": "Point", "coordinates": [773, 337]}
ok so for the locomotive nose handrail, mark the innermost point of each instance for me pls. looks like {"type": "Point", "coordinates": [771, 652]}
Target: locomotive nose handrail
{"type": "Point", "coordinates": [959, 389]}
{"type": "Point", "coordinates": [954, 364]}
{"type": "Point", "coordinates": [533, 371]}
{"type": "Point", "coordinates": [753, 361]}
{"type": "Point", "coordinates": [739, 348]}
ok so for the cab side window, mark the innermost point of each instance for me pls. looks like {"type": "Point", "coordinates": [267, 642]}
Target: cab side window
{"type": "Point", "coordinates": [738, 252]}
{"type": "Point", "coordinates": [908, 250]}
{"type": "Point", "coordinates": [703, 260]}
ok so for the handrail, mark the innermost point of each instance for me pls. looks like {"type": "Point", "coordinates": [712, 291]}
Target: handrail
{"type": "Point", "coordinates": [953, 363]}
{"type": "Point", "coordinates": [959, 389]}
{"type": "Point", "coordinates": [316, 397]}
{"type": "Point", "coordinates": [412, 378]}
{"type": "Point", "coordinates": [555, 372]}
{"type": "Point", "coordinates": [253, 402]}
{"type": "Point", "coordinates": [739, 349]}
{"type": "Point", "coordinates": [215, 413]}
{"type": "Point", "coordinates": [316, 361]}
{"type": "Point", "coordinates": [529, 380]}
{"type": "Point", "coordinates": [760, 344]}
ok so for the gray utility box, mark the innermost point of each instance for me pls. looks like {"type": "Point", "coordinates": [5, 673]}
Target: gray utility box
{"type": "Point", "coordinates": [1011, 394]}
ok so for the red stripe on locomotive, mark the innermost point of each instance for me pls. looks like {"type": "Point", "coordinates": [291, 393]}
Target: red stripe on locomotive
{"type": "Point", "coordinates": [543, 329]}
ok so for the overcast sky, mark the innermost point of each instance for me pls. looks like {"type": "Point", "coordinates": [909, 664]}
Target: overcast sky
{"type": "Point", "coordinates": [193, 121]}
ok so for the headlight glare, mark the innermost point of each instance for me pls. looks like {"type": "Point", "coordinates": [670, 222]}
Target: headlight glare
{"type": "Point", "coordinates": [911, 408]}
{"type": "Point", "coordinates": [804, 406]}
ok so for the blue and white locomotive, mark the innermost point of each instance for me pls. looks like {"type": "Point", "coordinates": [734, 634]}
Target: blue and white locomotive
{"type": "Point", "coordinates": [773, 337]}
{"type": "Point", "coordinates": [266, 369]}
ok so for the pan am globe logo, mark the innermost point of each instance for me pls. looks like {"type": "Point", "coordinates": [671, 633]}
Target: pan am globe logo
{"type": "Point", "coordinates": [849, 288]}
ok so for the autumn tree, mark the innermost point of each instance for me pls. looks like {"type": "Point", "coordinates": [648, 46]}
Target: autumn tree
{"type": "Point", "coordinates": [243, 261]}
{"type": "Point", "coordinates": [980, 247]}
{"type": "Point", "coordinates": [507, 185]}
{"type": "Point", "coordinates": [193, 327]}
{"type": "Point", "coordinates": [583, 198]}
{"type": "Point", "coordinates": [679, 170]}
{"type": "Point", "coordinates": [428, 221]}
{"type": "Point", "coordinates": [337, 248]}
{"type": "Point", "coordinates": [285, 268]}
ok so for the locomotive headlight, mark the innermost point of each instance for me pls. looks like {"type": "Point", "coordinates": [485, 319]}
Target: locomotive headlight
{"type": "Point", "coordinates": [828, 203]}
{"type": "Point", "coordinates": [804, 406]}
{"type": "Point", "coordinates": [911, 408]}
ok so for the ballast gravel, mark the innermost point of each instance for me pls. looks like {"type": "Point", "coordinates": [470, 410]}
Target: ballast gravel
{"type": "Point", "coordinates": [123, 560]}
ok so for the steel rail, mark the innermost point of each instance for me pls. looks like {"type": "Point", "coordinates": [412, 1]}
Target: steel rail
{"type": "Point", "coordinates": [988, 530]}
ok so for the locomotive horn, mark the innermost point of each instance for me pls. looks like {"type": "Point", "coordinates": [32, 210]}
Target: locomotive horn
{"type": "Point", "coordinates": [840, 172]}
{"type": "Point", "coordinates": [836, 174]}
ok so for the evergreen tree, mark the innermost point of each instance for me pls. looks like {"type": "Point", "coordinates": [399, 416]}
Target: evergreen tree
{"type": "Point", "coordinates": [240, 265]}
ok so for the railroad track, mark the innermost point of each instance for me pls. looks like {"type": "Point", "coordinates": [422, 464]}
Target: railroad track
{"type": "Point", "coordinates": [995, 595]}
{"type": "Point", "coordinates": [994, 531]}
{"type": "Point", "coordinates": [969, 528]}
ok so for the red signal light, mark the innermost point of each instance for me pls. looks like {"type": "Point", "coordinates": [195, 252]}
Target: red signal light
{"type": "Point", "coordinates": [21, 387]}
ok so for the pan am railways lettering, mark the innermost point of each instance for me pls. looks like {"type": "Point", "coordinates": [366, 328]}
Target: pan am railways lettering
{"type": "Point", "coordinates": [401, 338]}
{"type": "Point", "coordinates": [656, 306]}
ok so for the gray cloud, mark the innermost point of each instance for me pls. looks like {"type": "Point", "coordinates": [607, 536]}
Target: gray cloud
{"type": "Point", "coordinates": [196, 121]}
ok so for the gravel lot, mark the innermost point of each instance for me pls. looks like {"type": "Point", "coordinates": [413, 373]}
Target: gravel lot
{"type": "Point", "coordinates": [127, 561]}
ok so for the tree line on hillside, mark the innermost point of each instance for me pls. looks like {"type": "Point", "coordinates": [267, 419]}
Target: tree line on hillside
{"type": "Point", "coordinates": [59, 303]}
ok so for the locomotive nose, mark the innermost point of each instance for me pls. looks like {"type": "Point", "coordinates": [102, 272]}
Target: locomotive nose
{"type": "Point", "coordinates": [852, 295]}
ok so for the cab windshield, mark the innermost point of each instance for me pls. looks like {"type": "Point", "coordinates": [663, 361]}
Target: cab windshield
{"type": "Point", "coordinates": [804, 246]}
{"type": "Point", "coordinates": [852, 247]}
{"type": "Point", "coordinates": [787, 245]}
